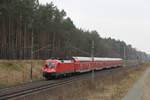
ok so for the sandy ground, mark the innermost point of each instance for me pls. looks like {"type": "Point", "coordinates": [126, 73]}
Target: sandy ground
{"type": "Point", "coordinates": [140, 89]}
{"type": "Point", "coordinates": [146, 95]}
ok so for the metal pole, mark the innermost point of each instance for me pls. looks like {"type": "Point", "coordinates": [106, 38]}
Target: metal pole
{"type": "Point", "coordinates": [31, 53]}
{"type": "Point", "coordinates": [92, 55]}
{"type": "Point", "coordinates": [124, 56]}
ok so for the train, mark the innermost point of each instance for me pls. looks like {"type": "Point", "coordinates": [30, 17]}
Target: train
{"type": "Point", "coordinates": [54, 68]}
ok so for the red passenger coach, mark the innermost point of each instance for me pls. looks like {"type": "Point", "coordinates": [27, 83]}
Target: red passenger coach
{"type": "Point", "coordinates": [57, 67]}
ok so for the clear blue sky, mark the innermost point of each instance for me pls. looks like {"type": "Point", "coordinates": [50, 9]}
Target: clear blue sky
{"type": "Point", "coordinates": [127, 20]}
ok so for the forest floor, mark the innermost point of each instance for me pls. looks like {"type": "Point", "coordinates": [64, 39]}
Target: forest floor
{"type": "Point", "coordinates": [113, 87]}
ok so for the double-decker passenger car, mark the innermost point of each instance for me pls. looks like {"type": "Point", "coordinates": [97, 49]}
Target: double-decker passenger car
{"type": "Point", "coordinates": [57, 67]}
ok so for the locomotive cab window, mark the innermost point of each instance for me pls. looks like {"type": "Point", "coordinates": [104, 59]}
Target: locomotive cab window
{"type": "Point", "coordinates": [50, 64]}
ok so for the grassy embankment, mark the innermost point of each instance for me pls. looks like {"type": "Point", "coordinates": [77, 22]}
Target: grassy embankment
{"type": "Point", "coordinates": [112, 87]}
{"type": "Point", "coordinates": [14, 72]}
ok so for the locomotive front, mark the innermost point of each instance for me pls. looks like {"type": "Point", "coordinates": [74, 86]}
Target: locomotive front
{"type": "Point", "coordinates": [50, 68]}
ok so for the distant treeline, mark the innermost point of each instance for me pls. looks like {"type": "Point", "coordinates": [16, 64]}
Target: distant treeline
{"type": "Point", "coordinates": [20, 19]}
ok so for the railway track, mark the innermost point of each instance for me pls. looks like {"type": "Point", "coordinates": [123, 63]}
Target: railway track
{"type": "Point", "coordinates": [14, 92]}
{"type": "Point", "coordinates": [35, 87]}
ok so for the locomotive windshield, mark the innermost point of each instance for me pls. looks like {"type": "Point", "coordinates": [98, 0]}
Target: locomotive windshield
{"type": "Point", "coordinates": [50, 64]}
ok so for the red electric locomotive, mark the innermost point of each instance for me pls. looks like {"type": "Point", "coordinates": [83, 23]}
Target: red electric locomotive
{"type": "Point", "coordinates": [55, 67]}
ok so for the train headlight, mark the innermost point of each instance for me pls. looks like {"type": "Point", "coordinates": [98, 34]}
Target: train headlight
{"type": "Point", "coordinates": [53, 70]}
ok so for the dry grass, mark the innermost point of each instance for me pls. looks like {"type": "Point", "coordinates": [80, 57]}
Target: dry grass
{"type": "Point", "coordinates": [117, 85]}
{"type": "Point", "coordinates": [14, 72]}
{"type": "Point", "coordinates": [112, 87]}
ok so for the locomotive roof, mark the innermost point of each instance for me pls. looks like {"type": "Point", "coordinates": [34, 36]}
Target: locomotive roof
{"type": "Point", "coordinates": [95, 58]}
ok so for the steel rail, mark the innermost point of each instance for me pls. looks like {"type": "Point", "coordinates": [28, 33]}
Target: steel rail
{"type": "Point", "coordinates": [23, 91]}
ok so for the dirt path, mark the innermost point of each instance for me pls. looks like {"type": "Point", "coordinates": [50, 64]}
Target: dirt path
{"type": "Point", "coordinates": [146, 95]}
{"type": "Point", "coordinates": [137, 92]}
